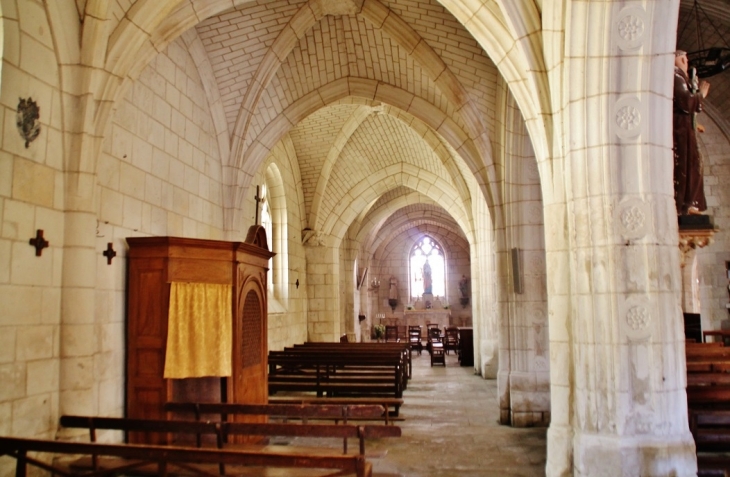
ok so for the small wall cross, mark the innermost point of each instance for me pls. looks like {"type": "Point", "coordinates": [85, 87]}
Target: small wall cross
{"type": "Point", "coordinates": [38, 242]}
{"type": "Point", "coordinates": [109, 253]}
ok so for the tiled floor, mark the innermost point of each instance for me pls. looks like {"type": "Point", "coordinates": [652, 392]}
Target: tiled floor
{"type": "Point", "coordinates": [451, 429]}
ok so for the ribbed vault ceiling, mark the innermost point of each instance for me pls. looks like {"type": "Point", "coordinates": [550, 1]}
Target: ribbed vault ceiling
{"type": "Point", "coordinates": [266, 56]}
{"type": "Point", "coordinates": [340, 145]}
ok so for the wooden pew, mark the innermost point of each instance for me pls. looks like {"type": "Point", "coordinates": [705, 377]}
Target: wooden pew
{"type": "Point", "coordinates": [387, 402]}
{"type": "Point", "coordinates": [370, 353]}
{"type": "Point", "coordinates": [708, 396]}
{"type": "Point", "coordinates": [337, 372]}
{"type": "Point", "coordinates": [706, 352]}
{"type": "Point", "coordinates": [710, 429]}
{"type": "Point", "coordinates": [708, 402]}
{"type": "Point", "coordinates": [299, 411]}
{"type": "Point", "coordinates": [403, 347]}
{"type": "Point", "coordinates": [364, 348]}
{"type": "Point", "coordinates": [224, 430]}
{"type": "Point", "coordinates": [152, 459]}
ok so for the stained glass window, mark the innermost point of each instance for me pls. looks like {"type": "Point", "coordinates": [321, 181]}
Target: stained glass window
{"type": "Point", "coordinates": [427, 269]}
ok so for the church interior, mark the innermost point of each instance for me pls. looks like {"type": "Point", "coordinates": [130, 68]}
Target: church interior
{"type": "Point", "coordinates": [499, 166]}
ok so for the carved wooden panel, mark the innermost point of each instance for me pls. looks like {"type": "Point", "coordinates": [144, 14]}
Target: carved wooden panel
{"type": "Point", "coordinates": [251, 330]}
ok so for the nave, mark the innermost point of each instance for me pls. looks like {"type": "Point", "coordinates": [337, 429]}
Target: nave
{"type": "Point", "coordinates": [451, 429]}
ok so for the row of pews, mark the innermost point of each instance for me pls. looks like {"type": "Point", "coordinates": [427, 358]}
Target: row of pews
{"type": "Point", "coordinates": [207, 439]}
{"type": "Point", "coordinates": [347, 391]}
{"type": "Point", "coordinates": [341, 370]}
{"type": "Point", "coordinates": [708, 403]}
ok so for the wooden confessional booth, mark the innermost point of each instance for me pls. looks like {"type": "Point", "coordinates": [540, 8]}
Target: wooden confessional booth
{"type": "Point", "coordinates": [233, 356]}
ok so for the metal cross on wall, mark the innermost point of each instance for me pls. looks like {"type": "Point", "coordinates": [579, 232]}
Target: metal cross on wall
{"type": "Point", "coordinates": [38, 242]}
{"type": "Point", "coordinates": [258, 201]}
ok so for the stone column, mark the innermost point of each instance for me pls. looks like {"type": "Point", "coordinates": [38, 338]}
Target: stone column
{"type": "Point", "coordinates": [79, 333]}
{"type": "Point", "coordinates": [484, 295]}
{"type": "Point", "coordinates": [523, 380]}
{"type": "Point", "coordinates": [323, 279]}
{"type": "Point", "coordinates": [628, 406]}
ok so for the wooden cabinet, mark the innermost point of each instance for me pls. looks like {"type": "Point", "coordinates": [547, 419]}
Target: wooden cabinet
{"type": "Point", "coordinates": [153, 264]}
{"type": "Point", "coordinates": [466, 346]}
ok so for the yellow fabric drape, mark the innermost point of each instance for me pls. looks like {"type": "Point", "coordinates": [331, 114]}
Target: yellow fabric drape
{"type": "Point", "coordinates": [199, 334]}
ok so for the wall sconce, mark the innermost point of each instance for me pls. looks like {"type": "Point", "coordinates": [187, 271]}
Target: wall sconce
{"type": "Point", "coordinates": [374, 284]}
{"type": "Point", "coordinates": [297, 283]}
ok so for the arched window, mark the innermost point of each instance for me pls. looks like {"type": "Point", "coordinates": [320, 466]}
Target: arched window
{"type": "Point", "coordinates": [268, 225]}
{"type": "Point", "coordinates": [427, 269]}
{"type": "Point", "coordinates": [274, 221]}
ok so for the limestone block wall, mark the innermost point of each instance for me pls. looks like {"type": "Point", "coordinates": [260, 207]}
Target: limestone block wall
{"type": "Point", "coordinates": [159, 173]}
{"type": "Point", "coordinates": [32, 196]}
{"type": "Point", "coordinates": [711, 271]}
{"type": "Point", "coordinates": [323, 291]}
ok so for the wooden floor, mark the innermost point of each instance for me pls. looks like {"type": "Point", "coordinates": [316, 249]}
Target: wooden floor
{"type": "Point", "coordinates": [451, 429]}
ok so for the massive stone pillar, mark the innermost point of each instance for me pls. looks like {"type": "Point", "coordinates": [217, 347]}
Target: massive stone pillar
{"type": "Point", "coordinates": [523, 380]}
{"type": "Point", "coordinates": [323, 288]}
{"type": "Point", "coordinates": [627, 399]}
{"type": "Point", "coordinates": [484, 301]}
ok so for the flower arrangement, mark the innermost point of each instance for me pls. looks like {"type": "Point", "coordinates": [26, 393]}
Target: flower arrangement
{"type": "Point", "coordinates": [379, 331]}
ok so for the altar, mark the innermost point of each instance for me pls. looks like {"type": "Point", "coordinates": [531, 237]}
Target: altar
{"type": "Point", "coordinates": [422, 317]}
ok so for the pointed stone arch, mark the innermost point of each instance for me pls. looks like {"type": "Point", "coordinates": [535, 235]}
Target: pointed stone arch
{"type": "Point", "coordinates": [370, 189]}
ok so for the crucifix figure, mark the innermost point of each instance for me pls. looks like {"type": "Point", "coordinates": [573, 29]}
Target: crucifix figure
{"type": "Point", "coordinates": [258, 201]}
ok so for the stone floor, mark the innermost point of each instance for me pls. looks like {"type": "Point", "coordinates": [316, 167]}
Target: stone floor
{"type": "Point", "coordinates": [451, 429]}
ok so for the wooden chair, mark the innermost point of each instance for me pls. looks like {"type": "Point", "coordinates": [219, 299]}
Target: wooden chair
{"type": "Point", "coordinates": [414, 338]}
{"type": "Point", "coordinates": [437, 353]}
{"type": "Point", "coordinates": [391, 334]}
{"type": "Point", "coordinates": [431, 326]}
{"type": "Point", "coordinates": [433, 336]}
{"type": "Point", "coordinates": [402, 333]}
{"type": "Point", "coordinates": [451, 339]}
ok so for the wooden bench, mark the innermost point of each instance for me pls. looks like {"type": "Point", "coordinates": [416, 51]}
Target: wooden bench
{"type": "Point", "coordinates": [713, 465]}
{"type": "Point", "coordinates": [710, 429]}
{"type": "Point", "coordinates": [708, 402]}
{"type": "Point", "coordinates": [336, 373]}
{"type": "Point", "coordinates": [701, 352]}
{"type": "Point", "coordinates": [387, 402]}
{"type": "Point", "coordinates": [154, 459]}
{"type": "Point", "coordinates": [402, 347]}
{"type": "Point", "coordinates": [286, 411]}
{"type": "Point", "coordinates": [364, 350]}
{"type": "Point", "coordinates": [223, 431]}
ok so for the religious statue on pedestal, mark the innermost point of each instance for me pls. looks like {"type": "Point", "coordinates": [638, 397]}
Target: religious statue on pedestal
{"type": "Point", "coordinates": [464, 287]}
{"type": "Point", "coordinates": [427, 283]}
{"type": "Point", "coordinates": [393, 290]}
{"type": "Point", "coordinates": [689, 94]}
{"type": "Point", "coordinates": [464, 290]}
{"type": "Point", "coordinates": [393, 293]}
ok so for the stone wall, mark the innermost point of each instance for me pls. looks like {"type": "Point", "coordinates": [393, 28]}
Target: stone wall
{"type": "Point", "coordinates": [32, 197]}
{"type": "Point", "coordinates": [711, 269]}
